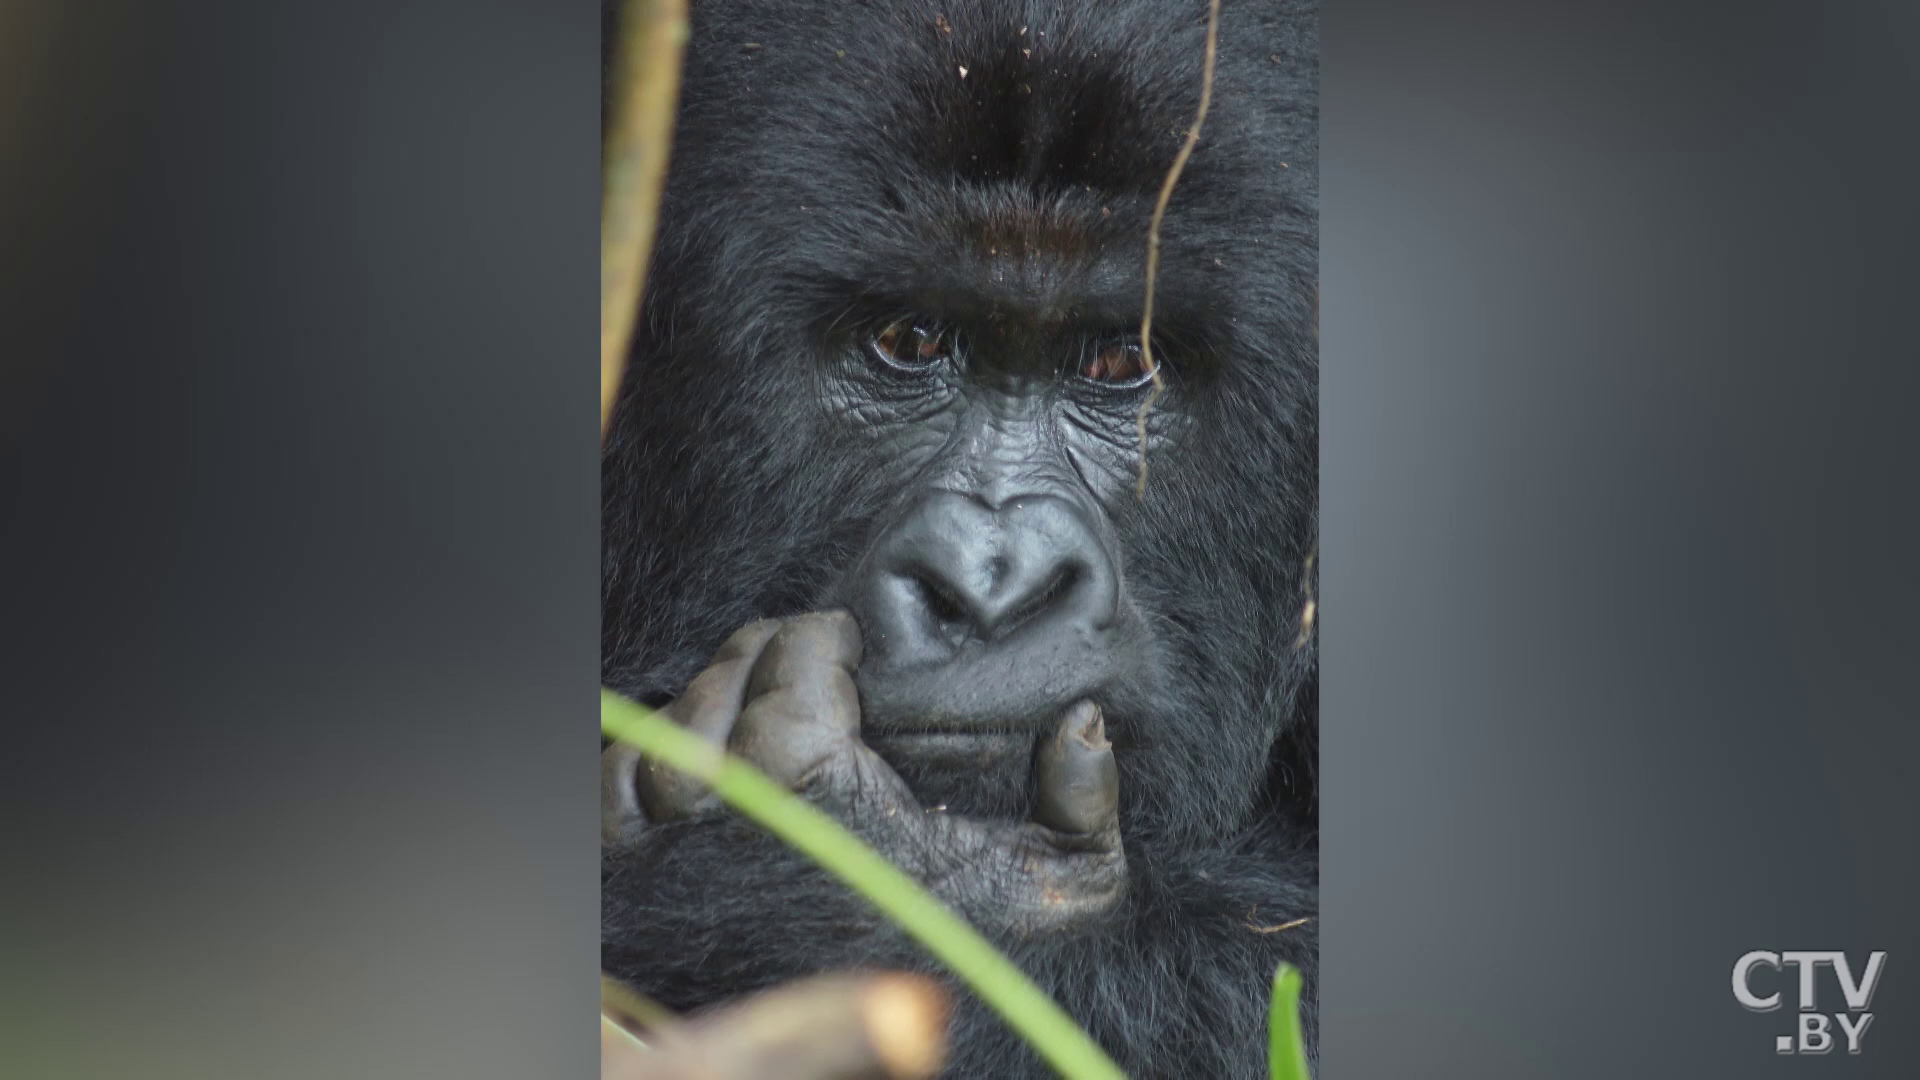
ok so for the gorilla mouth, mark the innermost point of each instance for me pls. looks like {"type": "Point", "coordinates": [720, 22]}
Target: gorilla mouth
{"type": "Point", "coordinates": [943, 740]}
{"type": "Point", "coordinates": [990, 694]}
{"type": "Point", "coordinates": [978, 715]}
{"type": "Point", "coordinates": [979, 771]}
{"type": "Point", "coordinates": [953, 749]}
{"type": "Point", "coordinates": [964, 735]}
{"type": "Point", "coordinates": [951, 733]}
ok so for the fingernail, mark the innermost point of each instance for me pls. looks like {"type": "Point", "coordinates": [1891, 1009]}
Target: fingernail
{"type": "Point", "coordinates": [1092, 728]}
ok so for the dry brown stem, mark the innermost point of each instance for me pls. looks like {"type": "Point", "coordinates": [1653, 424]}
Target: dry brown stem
{"type": "Point", "coordinates": [653, 33]}
{"type": "Point", "coordinates": [834, 1027]}
{"type": "Point", "coordinates": [1153, 233]}
{"type": "Point", "coordinates": [1311, 608]}
{"type": "Point", "coordinates": [1291, 924]}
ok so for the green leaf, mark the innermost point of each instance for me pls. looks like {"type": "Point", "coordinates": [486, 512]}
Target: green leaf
{"type": "Point", "coordinates": [1286, 1051]}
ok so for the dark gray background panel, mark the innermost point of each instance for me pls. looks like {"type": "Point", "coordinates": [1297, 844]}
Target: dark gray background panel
{"type": "Point", "coordinates": [1619, 491]}
{"type": "Point", "coordinates": [299, 510]}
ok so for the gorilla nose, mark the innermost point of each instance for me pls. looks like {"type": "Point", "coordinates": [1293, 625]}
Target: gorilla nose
{"type": "Point", "coordinates": [956, 571]}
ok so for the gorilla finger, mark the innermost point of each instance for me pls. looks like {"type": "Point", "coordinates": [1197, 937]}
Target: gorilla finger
{"type": "Point", "coordinates": [708, 708]}
{"type": "Point", "coordinates": [746, 642]}
{"type": "Point", "coordinates": [803, 650]}
{"type": "Point", "coordinates": [793, 732]}
{"type": "Point", "coordinates": [713, 699]}
{"type": "Point", "coordinates": [1076, 784]}
{"type": "Point", "coordinates": [621, 816]}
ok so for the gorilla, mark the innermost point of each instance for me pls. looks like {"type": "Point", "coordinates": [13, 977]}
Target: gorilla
{"type": "Point", "coordinates": [873, 516]}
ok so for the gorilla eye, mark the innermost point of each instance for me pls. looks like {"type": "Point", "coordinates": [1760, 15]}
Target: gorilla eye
{"type": "Point", "coordinates": [912, 346]}
{"type": "Point", "coordinates": [1119, 364]}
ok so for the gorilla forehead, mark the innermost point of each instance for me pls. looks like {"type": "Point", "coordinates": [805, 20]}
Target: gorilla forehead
{"type": "Point", "coordinates": [982, 141]}
{"type": "Point", "coordinates": [1094, 94]}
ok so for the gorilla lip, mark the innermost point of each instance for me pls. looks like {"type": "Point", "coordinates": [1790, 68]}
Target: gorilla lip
{"type": "Point", "coordinates": [976, 761]}
{"type": "Point", "coordinates": [953, 742]}
{"type": "Point", "coordinates": [984, 692]}
{"type": "Point", "coordinates": [966, 744]}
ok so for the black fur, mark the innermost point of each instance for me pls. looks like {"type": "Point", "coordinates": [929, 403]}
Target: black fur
{"type": "Point", "coordinates": [827, 148]}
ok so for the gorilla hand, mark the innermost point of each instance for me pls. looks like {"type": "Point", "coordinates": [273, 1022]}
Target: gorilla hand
{"type": "Point", "coordinates": [781, 695]}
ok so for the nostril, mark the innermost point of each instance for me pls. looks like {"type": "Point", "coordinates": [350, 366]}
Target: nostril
{"type": "Point", "coordinates": [948, 610]}
{"type": "Point", "coordinates": [997, 570]}
{"type": "Point", "coordinates": [1040, 600]}
{"type": "Point", "coordinates": [960, 618]}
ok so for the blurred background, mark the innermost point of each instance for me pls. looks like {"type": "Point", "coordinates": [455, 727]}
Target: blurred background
{"type": "Point", "coordinates": [298, 484]}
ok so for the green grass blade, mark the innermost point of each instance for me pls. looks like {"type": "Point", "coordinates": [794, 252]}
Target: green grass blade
{"type": "Point", "coordinates": [1286, 1051]}
{"type": "Point", "coordinates": [992, 976]}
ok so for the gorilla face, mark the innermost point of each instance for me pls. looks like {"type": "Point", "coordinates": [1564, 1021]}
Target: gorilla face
{"type": "Point", "coordinates": [890, 365]}
{"type": "Point", "coordinates": [992, 589]}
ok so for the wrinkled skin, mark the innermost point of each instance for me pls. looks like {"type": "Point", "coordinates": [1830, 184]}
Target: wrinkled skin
{"type": "Point", "coordinates": [871, 518]}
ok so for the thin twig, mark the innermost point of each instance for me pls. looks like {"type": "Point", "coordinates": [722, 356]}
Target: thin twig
{"type": "Point", "coordinates": [1153, 233]}
{"type": "Point", "coordinates": [1282, 926]}
{"type": "Point", "coordinates": [652, 36]}
{"type": "Point", "coordinates": [1312, 606]}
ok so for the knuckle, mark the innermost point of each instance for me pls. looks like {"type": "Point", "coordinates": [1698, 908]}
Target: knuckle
{"type": "Point", "coordinates": [716, 677]}
{"type": "Point", "coordinates": [748, 640]}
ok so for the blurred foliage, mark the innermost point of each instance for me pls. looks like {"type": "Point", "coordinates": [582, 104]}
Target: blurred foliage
{"type": "Point", "coordinates": [1286, 1050]}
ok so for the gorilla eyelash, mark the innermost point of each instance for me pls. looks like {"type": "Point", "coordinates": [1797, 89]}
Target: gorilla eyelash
{"type": "Point", "coordinates": [930, 343]}
{"type": "Point", "coordinates": [1116, 362]}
